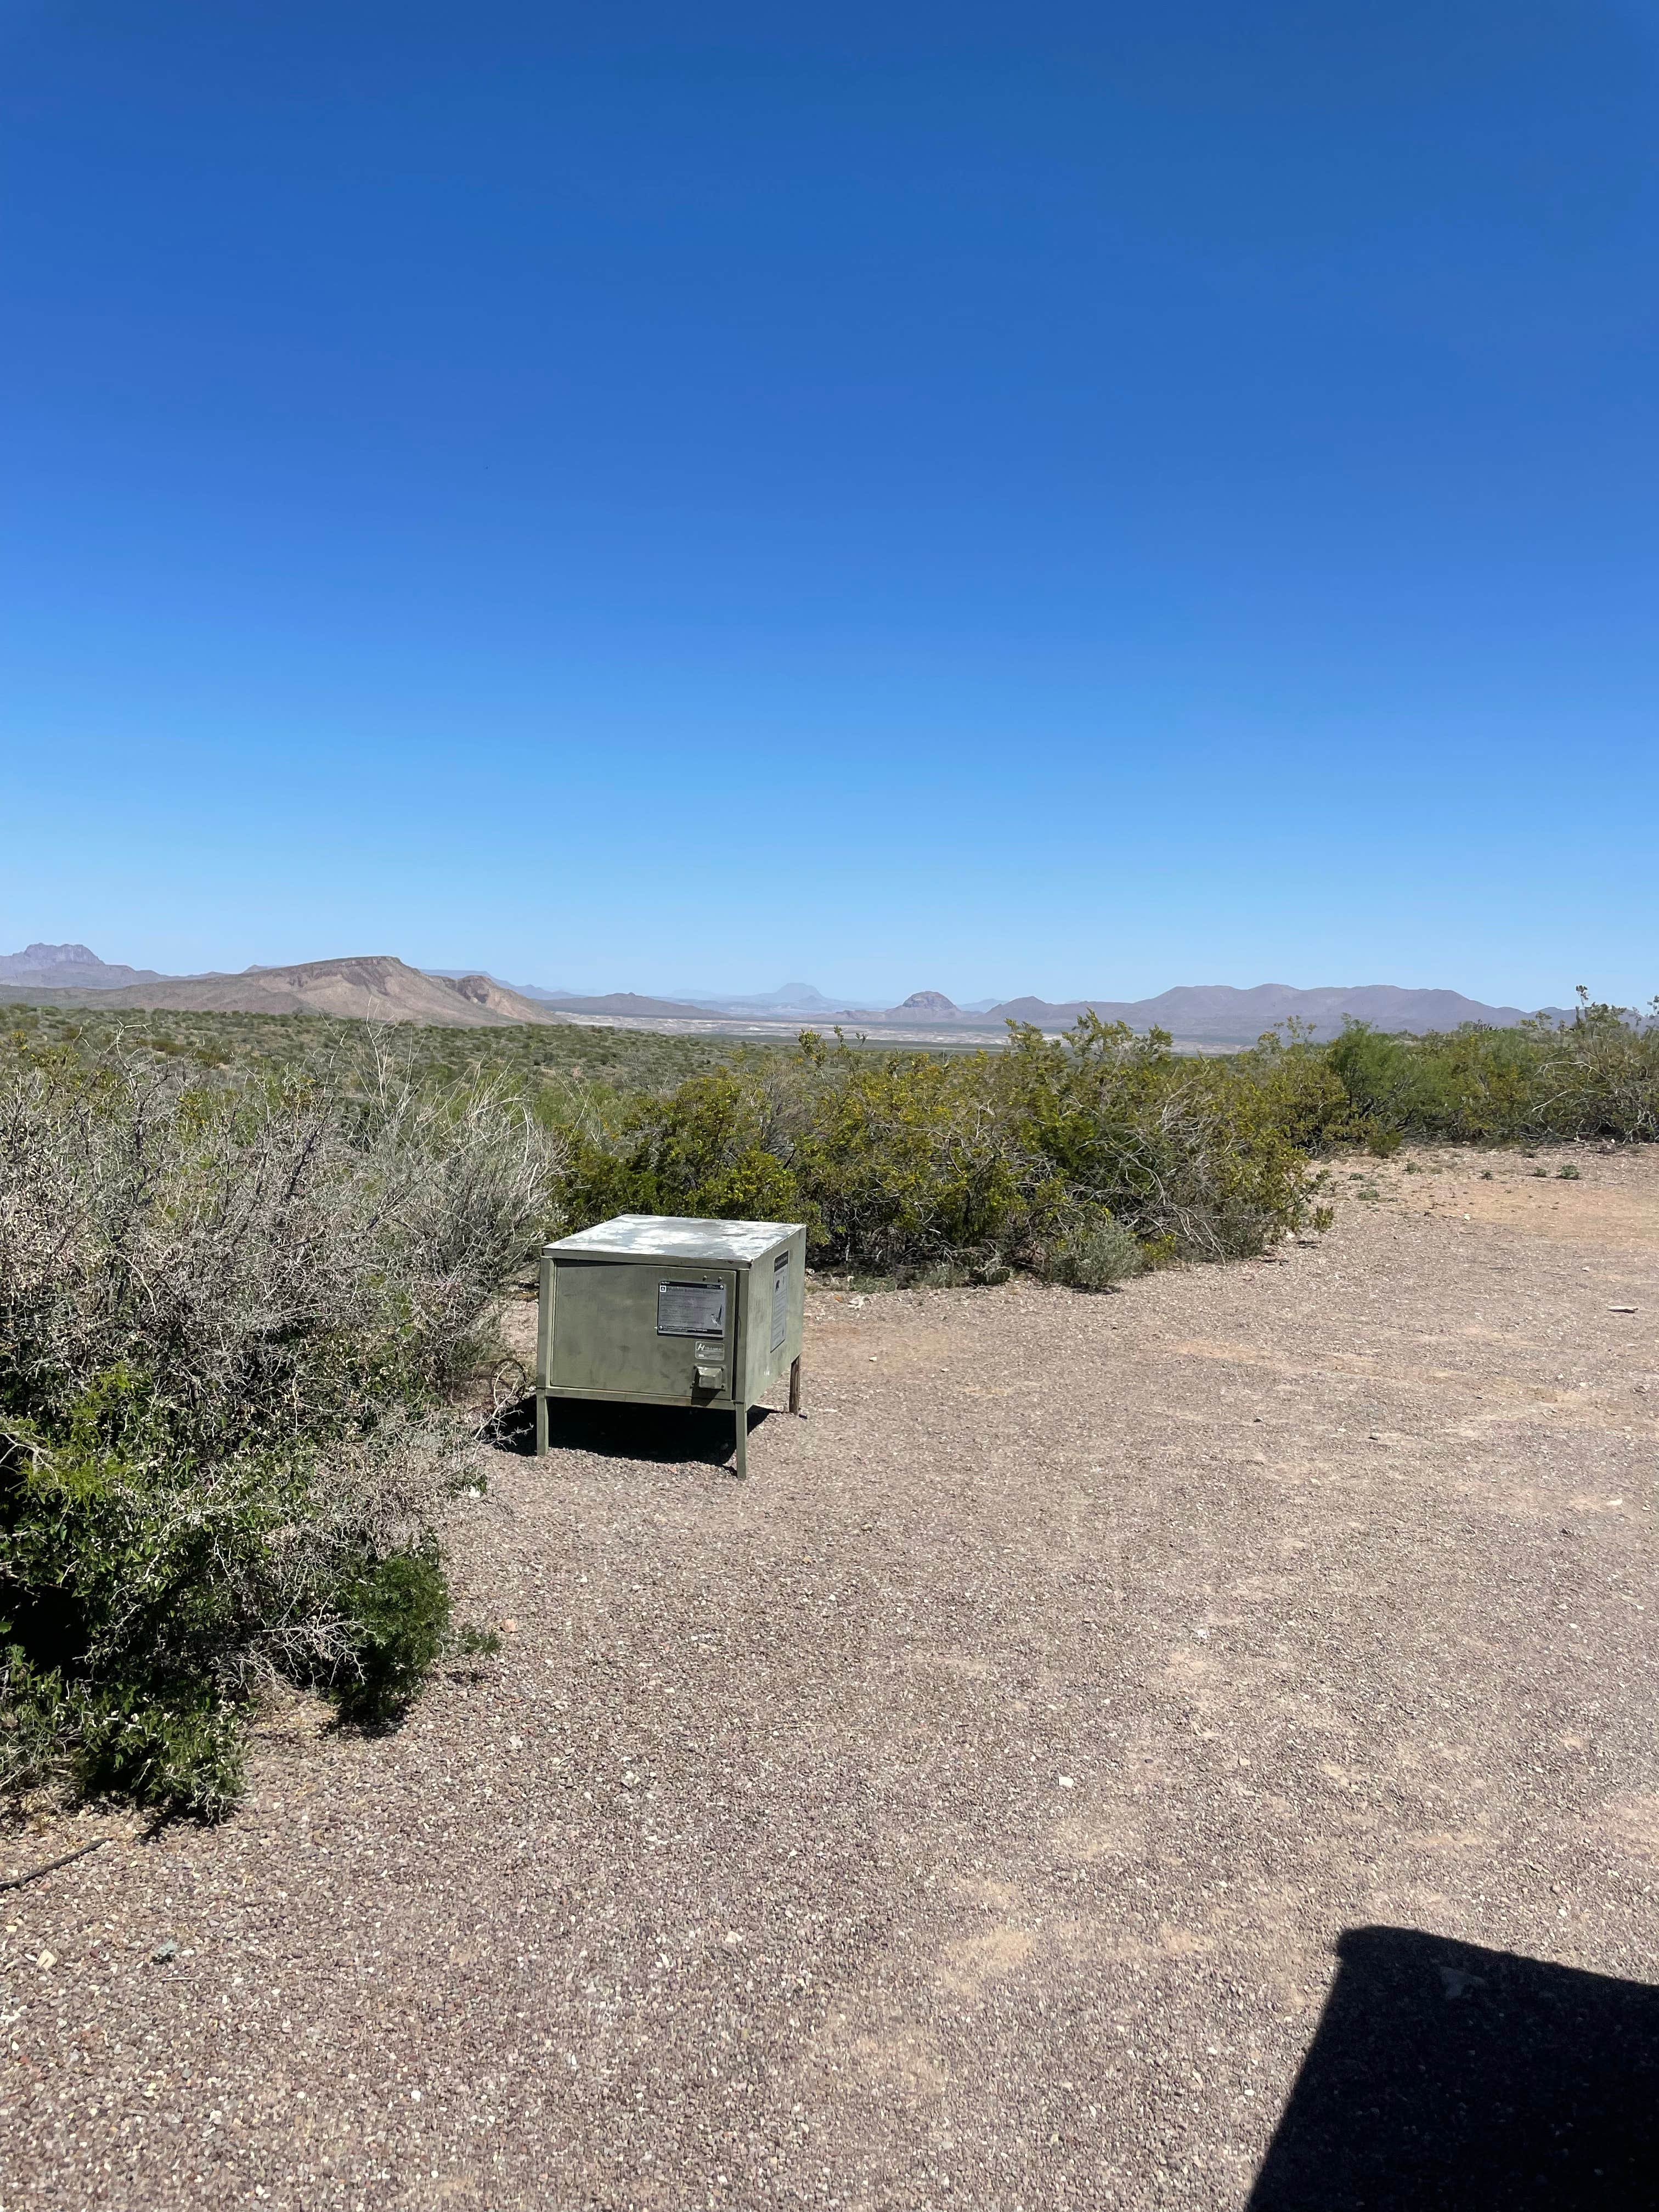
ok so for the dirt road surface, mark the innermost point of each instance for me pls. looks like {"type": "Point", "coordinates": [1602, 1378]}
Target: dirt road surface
{"type": "Point", "coordinates": [967, 1810]}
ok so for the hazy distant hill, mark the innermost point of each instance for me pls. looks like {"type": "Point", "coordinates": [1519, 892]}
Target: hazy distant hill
{"type": "Point", "coordinates": [787, 999]}
{"type": "Point", "coordinates": [1220, 1012]}
{"type": "Point", "coordinates": [575, 1003]}
{"type": "Point", "coordinates": [71, 965]}
{"type": "Point", "coordinates": [625, 1003]}
{"type": "Point", "coordinates": [369, 988]}
{"type": "Point", "coordinates": [519, 990]}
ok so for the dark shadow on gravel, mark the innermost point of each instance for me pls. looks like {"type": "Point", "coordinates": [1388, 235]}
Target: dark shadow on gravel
{"type": "Point", "coordinates": [674, 1436]}
{"type": "Point", "coordinates": [1443, 2075]}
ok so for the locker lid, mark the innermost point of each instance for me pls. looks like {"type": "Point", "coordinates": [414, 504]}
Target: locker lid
{"type": "Point", "coordinates": [675, 1236]}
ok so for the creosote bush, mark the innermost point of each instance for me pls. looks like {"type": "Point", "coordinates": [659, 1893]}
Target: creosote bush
{"type": "Point", "coordinates": [1086, 1158]}
{"type": "Point", "coordinates": [229, 1321]}
{"type": "Point", "coordinates": [1594, 1076]}
{"type": "Point", "coordinates": [1083, 1160]}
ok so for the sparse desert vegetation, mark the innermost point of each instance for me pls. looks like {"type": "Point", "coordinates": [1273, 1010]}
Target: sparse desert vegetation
{"type": "Point", "coordinates": [241, 1045]}
{"type": "Point", "coordinates": [246, 1262]}
{"type": "Point", "coordinates": [1085, 1158]}
{"type": "Point", "coordinates": [980, 1791]}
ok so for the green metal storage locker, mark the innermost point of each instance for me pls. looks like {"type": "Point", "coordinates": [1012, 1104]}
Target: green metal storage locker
{"type": "Point", "coordinates": [659, 1310]}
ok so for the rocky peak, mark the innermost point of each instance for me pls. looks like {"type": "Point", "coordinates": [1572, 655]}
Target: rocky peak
{"type": "Point", "coordinates": [57, 956]}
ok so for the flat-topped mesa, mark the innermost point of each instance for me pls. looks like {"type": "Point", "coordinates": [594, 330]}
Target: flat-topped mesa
{"type": "Point", "coordinates": [360, 986]}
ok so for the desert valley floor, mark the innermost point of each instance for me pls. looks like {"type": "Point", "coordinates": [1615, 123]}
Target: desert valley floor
{"type": "Point", "coordinates": [979, 1806]}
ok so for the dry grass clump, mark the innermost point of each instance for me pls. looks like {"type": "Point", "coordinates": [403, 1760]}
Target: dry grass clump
{"type": "Point", "coordinates": [228, 1322]}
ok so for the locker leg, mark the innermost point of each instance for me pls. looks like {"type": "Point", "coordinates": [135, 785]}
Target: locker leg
{"type": "Point", "coordinates": [541, 1425]}
{"type": "Point", "coordinates": [794, 1384]}
{"type": "Point", "coordinates": [743, 1442]}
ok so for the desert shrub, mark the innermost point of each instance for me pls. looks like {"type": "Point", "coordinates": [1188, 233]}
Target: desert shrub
{"type": "Point", "coordinates": [1302, 1092]}
{"type": "Point", "coordinates": [1192, 1156]}
{"type": "Point", "coordinates": [904, 1162]}
{"type": "Point", "coordinates": [1080, 1159]}
{"type": "Point", "coordinates": [1599, 1076]}
{"type": "Point", "coordinates": [1596, 1075]}
{"type": "Point", "coordinates": [1091, 1253]}
{"type": "Point", "coordinates": [398, 1611]}
{"type": "Point", "coordinates": [227, 1320]}
{"type": "Point", "coordinates": [711, 1148]}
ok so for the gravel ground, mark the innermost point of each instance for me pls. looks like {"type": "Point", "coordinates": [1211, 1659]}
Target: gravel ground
{"type": "Point", "coordinates": [965, 1811]}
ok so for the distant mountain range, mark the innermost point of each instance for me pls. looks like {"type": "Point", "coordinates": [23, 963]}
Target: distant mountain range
{"type": "Point", "coordinates": [381, 988]}
{"type": "Point", "coordinates": [68, 966]}
{"type": "Point", "coordinates": [1197, 1013]}
{"type": "Point", "coordinates": [1218, 1012]}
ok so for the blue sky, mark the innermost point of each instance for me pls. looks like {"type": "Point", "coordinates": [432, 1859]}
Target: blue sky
{"type": "Point", "coordinates": [1069, 499]}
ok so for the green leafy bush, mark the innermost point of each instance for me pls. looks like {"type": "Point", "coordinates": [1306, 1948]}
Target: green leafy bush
{"type": "Point", "coordinates": [1082, 1158]}
{"type": "Point", "coordinates": [398, 1611]}
{"type": "Point", "coordinates": [228, 1319]}
{"type": "Point", "coordinates": [1594, 1076]}
{"type": "Point", "coordinates": [711, 1148]}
